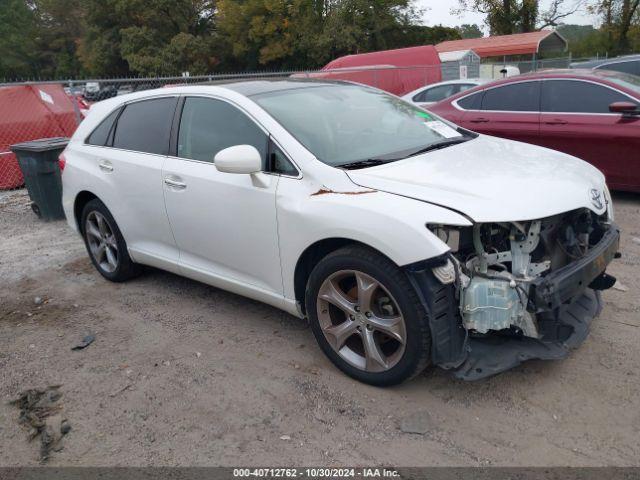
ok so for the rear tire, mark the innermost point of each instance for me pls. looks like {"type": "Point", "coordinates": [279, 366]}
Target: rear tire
{"type": "Point", "coordinates": [367, 318]}
{"type": "Point", "coordinates": [105, 244]}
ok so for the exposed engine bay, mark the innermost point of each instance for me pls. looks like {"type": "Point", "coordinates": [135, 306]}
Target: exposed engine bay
{"type": "Point", "coordinates": [497, 267]}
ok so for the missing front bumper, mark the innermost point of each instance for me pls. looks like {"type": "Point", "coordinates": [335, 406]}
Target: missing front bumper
{"type": "Point", "coordinates": [563, 302]}
{"type": "Point", "coordinates": [562, 330]}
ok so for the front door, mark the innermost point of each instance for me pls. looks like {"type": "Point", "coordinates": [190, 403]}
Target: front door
{"type": "Point", "coordinates": [224, 224]}
{"type": "Point", "coordinates": [576, 120]}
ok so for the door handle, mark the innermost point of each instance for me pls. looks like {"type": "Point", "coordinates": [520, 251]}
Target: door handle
{"type": "Point", "coordinates": [175, 184]}
{"type": "Point", "coordinates": [105, 166]}
{"type": "Point", "coordinates": [556, 121]}
{"type": "Point", "coordinates": [479, 120]}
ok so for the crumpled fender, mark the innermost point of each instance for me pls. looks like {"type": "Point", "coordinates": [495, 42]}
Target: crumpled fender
{"type": "Point", "coordinates": [391, 224]}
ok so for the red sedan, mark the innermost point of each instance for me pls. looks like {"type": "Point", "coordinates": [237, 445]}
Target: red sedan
{"type": "Point", "coordinates": [591, 114]}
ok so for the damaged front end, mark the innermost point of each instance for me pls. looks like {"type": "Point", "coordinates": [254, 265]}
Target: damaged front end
{"type": "Point", "coordinates": [519, 290]}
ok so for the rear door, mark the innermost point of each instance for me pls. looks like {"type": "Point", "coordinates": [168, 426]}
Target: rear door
{"type": "Point", "coordinates": [224, 224]}
{"type": "Point", "coordinates": [576, 120]}
{"type": "Point", "coordinates": [130, 169]}
{"type": "Point", "coordinates": [509, 111]}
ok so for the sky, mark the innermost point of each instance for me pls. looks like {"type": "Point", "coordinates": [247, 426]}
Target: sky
{"type": "Point", "coordinates": [439, 12]}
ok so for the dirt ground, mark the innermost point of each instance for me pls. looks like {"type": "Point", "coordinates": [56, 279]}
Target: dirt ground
{"type": "Point", "coordinates": [184, 374]}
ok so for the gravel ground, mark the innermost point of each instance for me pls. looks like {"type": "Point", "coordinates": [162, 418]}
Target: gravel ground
{"type": "Point", "coordinates": [184, 374]}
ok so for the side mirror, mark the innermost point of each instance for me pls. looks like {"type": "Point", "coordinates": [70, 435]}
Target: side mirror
{"type": "Point", "coordinates": [244, 159]}
{"type": "Point", "coordinates": [626, 108]}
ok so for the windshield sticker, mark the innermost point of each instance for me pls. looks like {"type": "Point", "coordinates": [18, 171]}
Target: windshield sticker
{"type": "Point", "coordinates": [424, 115]}
{"type": "Point", "coordinates": [443, 129]}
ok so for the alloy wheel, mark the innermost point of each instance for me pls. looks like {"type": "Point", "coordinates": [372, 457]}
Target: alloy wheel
{"type": "Point", "coordinates": [361, 321]}
{"type": "Point", "coordinates": [102, 242]}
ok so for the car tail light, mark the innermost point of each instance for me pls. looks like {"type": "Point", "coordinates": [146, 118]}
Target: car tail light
{"type": "Point", "coordinates": [62, 162]}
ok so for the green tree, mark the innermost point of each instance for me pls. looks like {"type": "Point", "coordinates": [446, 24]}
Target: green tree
{"type": "Point", "coordinates": [505, 17]}
{"type": "Point", "coordinates": [38, 38]}
{"type": "Point", "coordinates": [109, 38]}
{"type": "Point", "coordinates": [309, 33]}
{"type": "Point", "coordinates": [412, 35]}
{"type": "Point", "coordinates": [148, 37]}
{"type": "Point", "coordinates": [467, 30]}
{"type": "Point", "coordinates": [259, 33]}
{"type": "Point", "coordinates": [502, 16]}
{"type": "Point", "coordinates": [99, 48]}
{"type": "Point", "coordinates": [18, 32]}
{"type": "Point", "coordinates": [61, 26]}
{"type": "Point", "coordinates": [620, 21]}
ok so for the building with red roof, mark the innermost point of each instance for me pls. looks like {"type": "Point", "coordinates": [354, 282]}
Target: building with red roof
{"type": "Point", "coordinates": [532, 43]}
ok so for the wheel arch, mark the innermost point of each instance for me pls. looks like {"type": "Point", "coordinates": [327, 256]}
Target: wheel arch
{"type": "Point", "coordinates": [82, 198]}
{"type": "Point", "coordinates": [312, 255]}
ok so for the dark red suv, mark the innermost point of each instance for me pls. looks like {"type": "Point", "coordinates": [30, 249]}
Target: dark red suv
{"type": "Point", "coordinates": [591, 114]}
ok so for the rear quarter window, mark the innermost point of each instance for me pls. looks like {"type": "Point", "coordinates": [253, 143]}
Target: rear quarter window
{"type": "Point", "coordinates": [435, 94]}
{"type": "Point", "coordinates": [100, 134]}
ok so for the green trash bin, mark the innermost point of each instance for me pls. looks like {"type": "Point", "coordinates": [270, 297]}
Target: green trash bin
{"type": "Point", "coordinates": [38, 160]}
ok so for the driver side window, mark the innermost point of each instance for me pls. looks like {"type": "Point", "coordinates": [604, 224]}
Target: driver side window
{"type": "Point", "coordinates": [208, 125]}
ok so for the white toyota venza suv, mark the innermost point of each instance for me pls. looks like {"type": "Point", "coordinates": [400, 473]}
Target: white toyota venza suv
{"type": "Point", "coordinates": [404, 239]}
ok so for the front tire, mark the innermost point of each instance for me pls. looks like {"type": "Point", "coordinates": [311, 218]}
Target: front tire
{"type": "Point", "coordinates": [367, 317]}
{"type": "Point", "coordinates": [105, 244]}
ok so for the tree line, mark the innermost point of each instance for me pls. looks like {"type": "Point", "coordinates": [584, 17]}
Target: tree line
{"type": "Point", "coordinates": [111, 38]}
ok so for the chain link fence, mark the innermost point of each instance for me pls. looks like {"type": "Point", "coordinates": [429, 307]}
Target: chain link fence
{"type": "Point", "coordinates": [44, 109]}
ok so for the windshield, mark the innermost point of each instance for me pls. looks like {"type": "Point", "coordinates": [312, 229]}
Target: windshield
{"type": "Point", "coordinates": [342, 124]}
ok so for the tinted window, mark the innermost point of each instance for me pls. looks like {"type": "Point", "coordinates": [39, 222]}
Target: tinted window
{"type": "Point", "coordinates": [578, 97]}
{"type": "Point", "coordinates": [625, 67]}
{"type": "Point", "coordinates": [100, 135]}
{"type": "Point", "coordinates": [462, 87]}
{"type": "Point", "coordinates": [517, 97]}
{"type": "Point", "coordinates": [435, 94]}
{"type": "Point", "coordinates": [472, 102]}
{"type": "Point", "coordinates": [208, 126]}
{"type": "Point", "coordinates": [145, 126]}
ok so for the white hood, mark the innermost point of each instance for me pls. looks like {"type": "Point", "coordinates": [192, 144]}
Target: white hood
{"type": "Point", "coordinates": [492, 180]}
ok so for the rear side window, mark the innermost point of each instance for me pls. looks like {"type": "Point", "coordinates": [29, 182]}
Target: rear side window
{"type": "Point", "coordinates": [145, 126]}
{"type": "Point", "coordinates": [632, 67]}
{"type": "Point", "coordinates": [463, 87]}
{"type": "Point", "coordinates": [516, 97]}
{"type": "Point", "coordinates": [472, 102]}
{"type": "Point", "coordinates": [572, 96]}
{"type": "Point", "coordinates": [435, 94]}
{"type": "Point", "coordinates": [101, 133]}
{"type": "Point", "coordinates": [208, 126]}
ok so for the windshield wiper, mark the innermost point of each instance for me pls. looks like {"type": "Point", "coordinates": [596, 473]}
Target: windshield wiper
{"type": "Point", "coordinates": [439, 145]}
{"type": "Point", "coordinates": [369, 162]}
{"type": "Point", "coordinates": [372, 162]}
